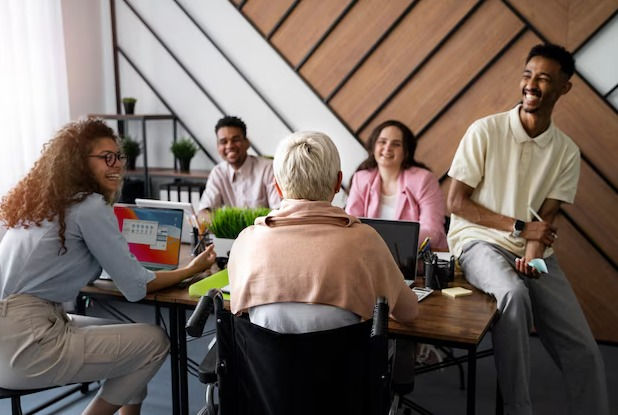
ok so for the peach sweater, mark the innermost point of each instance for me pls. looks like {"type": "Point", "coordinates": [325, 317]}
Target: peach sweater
{"type": "Point", "coordinates": [312, 252]}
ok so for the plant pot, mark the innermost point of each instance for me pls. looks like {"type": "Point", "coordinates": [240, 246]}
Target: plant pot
{"type": "Point", "coordinates": [131, 163]}
{"type": "Point", "coordinates": [223, 246]}
{"type": "Point", "coordinates": [129, 107]}
{"type": "Point", "coordinates": [184, 165]}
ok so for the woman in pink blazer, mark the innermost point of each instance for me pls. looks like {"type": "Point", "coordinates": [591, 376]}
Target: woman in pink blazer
{"type": "Point", "coordinates": [390, 184]}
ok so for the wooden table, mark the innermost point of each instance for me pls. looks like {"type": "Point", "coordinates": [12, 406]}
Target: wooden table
{"type": "Point", "coordinates": [454, 322]}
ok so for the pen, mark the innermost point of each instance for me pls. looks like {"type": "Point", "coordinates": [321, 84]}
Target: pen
{"type": "Point", "coordinates": [536, 215]}
{"type": "Point", "coordinates": [199, 246]}
{"type": "Point", "coordinates": [423, 245]}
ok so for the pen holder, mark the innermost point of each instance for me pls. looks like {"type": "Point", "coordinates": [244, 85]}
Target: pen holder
{"type": "Point", "coordinates": [437, 273]}
{"type": "Point", "coordinates": [200, 241]}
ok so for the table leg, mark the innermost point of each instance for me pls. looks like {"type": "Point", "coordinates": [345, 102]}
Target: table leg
{"type": "Point", "coordinates": [173, 315]}
{"type": "Point", "coordinates": [471, 398]}
{"type": "Point", "coordinates": [182, 361]}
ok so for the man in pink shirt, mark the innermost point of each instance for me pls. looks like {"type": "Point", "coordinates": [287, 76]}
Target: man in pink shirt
{"type": "Point", "coordinates": [240, 179]}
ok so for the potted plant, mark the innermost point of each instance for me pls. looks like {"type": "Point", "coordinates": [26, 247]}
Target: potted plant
{"type": "Point", "coordinates": [129, 105]}
{"type": "Point", "coordinates": [131, 149]}
{"type": "Point", "coordinates": [227, 222]}
{"type": "Point", "coordinates": [184, 150]}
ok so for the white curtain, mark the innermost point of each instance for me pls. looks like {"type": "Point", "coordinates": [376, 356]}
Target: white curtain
{"type": "Point", "coordinates": [34, 100]}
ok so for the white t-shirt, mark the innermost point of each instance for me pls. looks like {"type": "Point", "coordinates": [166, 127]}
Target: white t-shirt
{"type": "Point", "coordinates": [388, 206]}
{"type": "Point", "coordinates": [292, 317]}
{"type": "Point", "coordinates": [510, 171]}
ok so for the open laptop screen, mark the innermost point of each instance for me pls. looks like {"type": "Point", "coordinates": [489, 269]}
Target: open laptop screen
{"type": "Point", "coordinates": [401, 237]}
{"type": "Point", "coordinates": [153, 234]}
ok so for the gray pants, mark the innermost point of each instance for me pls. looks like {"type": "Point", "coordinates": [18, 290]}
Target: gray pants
{"type": "Point", "coordinates": [40, 346]}
{"type": "Point", "coordinates": [549, 304]}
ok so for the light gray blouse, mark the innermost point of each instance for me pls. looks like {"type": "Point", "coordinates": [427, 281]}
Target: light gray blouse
{"type": "Point", "coordinates": [31, 263]}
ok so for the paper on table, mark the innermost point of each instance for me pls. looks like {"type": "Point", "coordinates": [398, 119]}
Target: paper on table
{"type": "Point", "coordinates": [538, 264]}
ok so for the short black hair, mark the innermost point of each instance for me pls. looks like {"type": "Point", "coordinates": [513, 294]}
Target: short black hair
{"type": "Point", "coordinates": [231, 121]}
{"type": "Point", "coordinates": [556, 53]}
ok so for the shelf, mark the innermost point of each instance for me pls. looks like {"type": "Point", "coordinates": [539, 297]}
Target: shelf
{"type": "Point", "coordinates": [136, 117]}
{"type": "Point", "coordinates": [163, 172]}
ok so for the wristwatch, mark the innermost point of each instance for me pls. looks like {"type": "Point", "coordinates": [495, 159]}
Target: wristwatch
{"type": "Point", "coordinates": [518, 228]}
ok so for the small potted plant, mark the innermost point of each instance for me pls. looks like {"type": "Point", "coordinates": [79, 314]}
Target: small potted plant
{"type": "Point", "coordinates": [184, 150]}
{"type": "Point", "coordinates": [131, 149]}
{"type": "Point", "coordinates": [226, 223]}
{"type": "Point", "coordinates": [129, 105]}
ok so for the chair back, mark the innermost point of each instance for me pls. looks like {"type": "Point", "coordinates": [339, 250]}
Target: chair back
{"type": "Point", "coordinates": [343, 370]}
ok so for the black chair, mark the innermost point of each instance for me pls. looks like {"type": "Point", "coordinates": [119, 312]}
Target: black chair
{"type": "Point", "coordinates": [259, 371]}
{"type": "Point", "coordinates": [16, 394]}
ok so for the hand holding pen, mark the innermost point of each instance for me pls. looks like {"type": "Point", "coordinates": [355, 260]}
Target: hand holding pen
{"type": "Point", "coordinates": [539, 231]}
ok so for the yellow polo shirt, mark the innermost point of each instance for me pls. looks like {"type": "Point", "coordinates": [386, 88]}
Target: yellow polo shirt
{"type": "Point", "coordinates": [510, 171]}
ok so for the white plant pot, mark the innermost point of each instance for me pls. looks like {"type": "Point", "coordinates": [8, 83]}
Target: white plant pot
{"type": "Point", "coordinates": [223, 246]}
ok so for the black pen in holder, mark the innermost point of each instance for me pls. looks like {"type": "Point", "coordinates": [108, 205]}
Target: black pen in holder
{"type": "Point", "coordinates": [200, 243]}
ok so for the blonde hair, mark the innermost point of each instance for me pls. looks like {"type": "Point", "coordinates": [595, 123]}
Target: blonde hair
{"type": "Point", "coordinates": [60, 178]}
{"type": "Point", "coordinates": [306, 166]}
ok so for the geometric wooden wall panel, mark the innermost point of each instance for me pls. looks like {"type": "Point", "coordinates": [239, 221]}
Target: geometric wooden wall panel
{"type": "Point", "coordinates": [566, 22]}
{"type": "Point", "coordinates": [594, 211]}
{"type": "Point", "coordinates": [480, 38]}
{"type": "Point", "coordinates": [304, 27]}
{"type": "Point", "coordinates": [592, 124]}
{"type": "Point", "coordinates": [346, 45]}
{"type": "Point", "coordinates": [264, 14]}
{"type": "Point", "coordinates": [409, 43]}
{"type": "Point", "coordinates": [594, 281]}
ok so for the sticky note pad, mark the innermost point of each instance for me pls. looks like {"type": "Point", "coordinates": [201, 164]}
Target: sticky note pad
{"type": "Point", "coordinates": [456, 292]}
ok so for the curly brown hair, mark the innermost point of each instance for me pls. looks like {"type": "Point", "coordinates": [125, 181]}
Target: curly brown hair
{"type": "Point", "coordinates": [61, 177]}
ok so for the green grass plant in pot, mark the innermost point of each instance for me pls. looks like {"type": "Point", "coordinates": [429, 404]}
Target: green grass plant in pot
{"type": "Point", "coordinates": [184, 149]}
{"type": "Point", "coordinates": [129, 105]}
{"type": "Point", "coordinates": [227, 222]}
{"type": "Point", "coordinates": [131, 149]}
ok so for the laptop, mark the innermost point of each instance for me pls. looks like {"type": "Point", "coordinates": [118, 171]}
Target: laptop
{"type": "Point", "coordinates": [153, 234]}
{"type": "Point", "coordinates": [401, 237]}
{"type": "Point", "coordinates": [190, 221]}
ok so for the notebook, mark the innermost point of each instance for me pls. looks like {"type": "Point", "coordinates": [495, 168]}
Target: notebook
{"type": "Point", "coordinates": [401, 237]}
{"type": "Point", "coordinates": [153, 234]}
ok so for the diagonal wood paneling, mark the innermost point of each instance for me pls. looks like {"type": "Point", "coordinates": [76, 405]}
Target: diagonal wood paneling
{"type": "Point", "coordinates": [409, 43]}
{"type": "Point", "coordinates": [594, 281]}
{"type": "Point", "coordinates": [347, 44]}
{"type": "Point", "coordinates": [595, 211]}
{"type": "Point", "coordinates": [304, 27]}
{"type": "Point", "coordinates": [432, 87]}
{"type": "Point", "coordinates": [265, 13]}
{"type": "Point", "coordinates": [592, 124]}
{"type": "Point", "coordinates": [567, 23]}
{"type": "Point", "coordinates": [438, 73]}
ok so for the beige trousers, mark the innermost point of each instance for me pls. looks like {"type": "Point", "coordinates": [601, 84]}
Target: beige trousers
{"type": "Point", "coordinates": [40, 346]}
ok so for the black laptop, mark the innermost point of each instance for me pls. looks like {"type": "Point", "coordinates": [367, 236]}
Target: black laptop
{"type": "Point", "coordinates": [402, 240]}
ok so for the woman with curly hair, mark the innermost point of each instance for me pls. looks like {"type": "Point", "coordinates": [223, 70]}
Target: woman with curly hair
{"type": "Point", "coordinates": [391, 184]}
{"type": "Point", "coordinates": [61, 232]}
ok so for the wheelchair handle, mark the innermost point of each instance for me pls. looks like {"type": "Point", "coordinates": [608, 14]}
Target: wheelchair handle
{"type": "Point", "coordinates": [380, 318]}
{"type": "Point", "coordinates": [197, 321]}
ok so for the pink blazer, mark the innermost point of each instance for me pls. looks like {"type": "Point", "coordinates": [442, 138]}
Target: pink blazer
{"type": "Point", "coordinates": [421, 200]}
